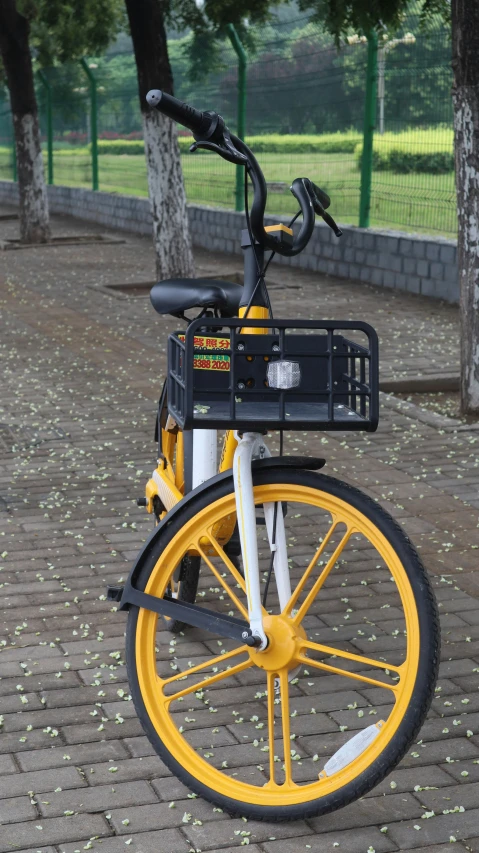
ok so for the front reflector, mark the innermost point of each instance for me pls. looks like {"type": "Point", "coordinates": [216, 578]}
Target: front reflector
{"type": "Point", "coordinates": [283, 374]}
{"type": "Point", "coordinates": [352, 749]}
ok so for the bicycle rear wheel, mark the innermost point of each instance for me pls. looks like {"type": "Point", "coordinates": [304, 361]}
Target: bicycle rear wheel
{"type": "Point", "coordinates": [331, 706]}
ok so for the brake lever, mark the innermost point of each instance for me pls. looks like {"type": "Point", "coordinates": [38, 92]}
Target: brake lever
{"type": "Point", "coordinates": [225, 149]}
{"type": "Point", "coordinates": [329, 220]}
{"type": "Point", "coordinates": [319, 209]}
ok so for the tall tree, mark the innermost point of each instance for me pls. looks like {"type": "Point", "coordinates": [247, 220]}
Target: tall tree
{"type": "Point", "coordinates": [364, 16]}
{"type": "Point", "coordinates": [57, 31]}
{"type": "Point", "coordinates": [148, 20]}
{"type": "Point", "coordinates": [17, 61]}
{"type": "Point", "coordinates": [465, 64]}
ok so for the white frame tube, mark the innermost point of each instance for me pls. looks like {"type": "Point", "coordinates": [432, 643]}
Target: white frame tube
{"type": "Point", "coordinates": [205, 464]}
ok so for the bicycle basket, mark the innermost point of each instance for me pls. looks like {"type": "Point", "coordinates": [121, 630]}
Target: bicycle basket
{"type": "Point", "coordinates": [302, 374]}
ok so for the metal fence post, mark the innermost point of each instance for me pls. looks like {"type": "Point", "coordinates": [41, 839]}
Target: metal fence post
{"type": "Point", "coordinates": [368, 131]}
{"type": "Point", "coordinates": [48, 92]}
{"type": "Point", "coordinates": [241, 109]}
{"type": "Point", "coordinates": [93, 123]}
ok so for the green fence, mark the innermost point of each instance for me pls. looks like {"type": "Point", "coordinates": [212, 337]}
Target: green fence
{"type": "Point", "coordinates": [305, 109]}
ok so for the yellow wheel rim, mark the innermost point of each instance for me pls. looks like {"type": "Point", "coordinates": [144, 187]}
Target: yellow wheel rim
{"type": "Point", "coordinates": [156, 691]}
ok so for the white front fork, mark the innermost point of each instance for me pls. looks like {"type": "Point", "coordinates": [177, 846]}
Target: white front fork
{"type": "Point", "coordinates": [251, 446]}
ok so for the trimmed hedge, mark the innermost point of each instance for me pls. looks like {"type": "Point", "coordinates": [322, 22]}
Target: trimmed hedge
{"type": "Point", "coordinates": [327, 143]}
{"type": "Point", "coordinates": [428, 151]}
{"type": "Point", "coordinates": [121, 146]}
{"type": "Point", "coordinates": [274, 143]}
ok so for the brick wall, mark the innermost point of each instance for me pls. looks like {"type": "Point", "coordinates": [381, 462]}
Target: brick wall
{"type": "Point", "coordinates": [419, 264]}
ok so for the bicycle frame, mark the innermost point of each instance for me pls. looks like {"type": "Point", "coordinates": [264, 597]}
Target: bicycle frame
{"type": "Point", "coordinates": [188, 460]}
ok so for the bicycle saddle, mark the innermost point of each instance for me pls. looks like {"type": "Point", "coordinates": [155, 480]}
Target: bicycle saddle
{"type": "Point", "coordinates": [176, 295]}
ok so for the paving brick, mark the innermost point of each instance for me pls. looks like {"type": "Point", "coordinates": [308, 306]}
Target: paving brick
{"type": "Point", "coordinates": [126, 771]}
{"type": "Point", "coordinates": [357, 841]}
{"type": "Point", "coordinates": [39, 849]}
{"type": "Point", "coordinates": [456, 748]}
{"type": "Point", "coordinates": [212, 836]}
{"type": "Point", "coordinates": [73, 754]}
{"type": "Point", "coordinates": [20, 741]}
{"type": "Point", "coordinates": [436, 830]}
{"type": "Point", "coordinates": [13, 809]}
{"type": "Point", "coordinates": [98, 798]}
{"type": "Point", "coordinates": [370, 811]}
{"type": "Point", "coordinates": [40, 781]}
{"type": "Point", "coordinates": [161, 816]}
{"type": "Point", "coordinates": [448, 798]}
{"type": "Point", "coordinates": [7, 765]}
{"type": "Point", "coordinates": [406, 779]}
{"type": "Point", "coordinates": [90, 733]}
{"type": "Point", "coordinates": [54, 717]}
{"type": "Point", "coordinates": [53, 831]}
{"type": "Point", "coordinates": [163, 841]}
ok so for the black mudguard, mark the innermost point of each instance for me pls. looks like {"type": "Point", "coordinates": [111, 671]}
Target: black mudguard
{"type": "Point", "coordinates": [124, 594]}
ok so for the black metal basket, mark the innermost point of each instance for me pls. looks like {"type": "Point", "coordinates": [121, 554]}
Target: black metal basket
{"type": "Point", "coordinates": [302, 374]}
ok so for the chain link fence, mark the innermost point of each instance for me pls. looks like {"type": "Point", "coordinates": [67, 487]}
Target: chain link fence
{"type": "Point", "coordinates": [305, 105]}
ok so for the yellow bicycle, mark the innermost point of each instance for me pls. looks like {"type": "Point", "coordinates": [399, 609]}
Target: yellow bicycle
{"type": "Point", "coordinates": [282, 641]}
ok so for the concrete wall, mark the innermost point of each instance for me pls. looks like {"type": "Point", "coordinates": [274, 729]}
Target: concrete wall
{"type": "Point", "coordinates": [419, 264]}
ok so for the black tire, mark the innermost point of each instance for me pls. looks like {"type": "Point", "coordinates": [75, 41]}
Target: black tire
{"type": "Point", "coordinates": [426, 673]}
{"type": "Point", "coordinates": [186, 588]}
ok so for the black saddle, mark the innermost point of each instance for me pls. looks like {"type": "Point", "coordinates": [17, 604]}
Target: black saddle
{"type": "Point", "coordinates": [176, 295]}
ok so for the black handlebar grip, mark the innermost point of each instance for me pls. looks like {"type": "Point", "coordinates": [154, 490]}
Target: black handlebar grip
{"type": "Point", "coordinates": [195, 120]}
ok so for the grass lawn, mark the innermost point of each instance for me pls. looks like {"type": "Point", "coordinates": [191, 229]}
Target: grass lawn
{"type": "Point", "coordinates": [413, 202]}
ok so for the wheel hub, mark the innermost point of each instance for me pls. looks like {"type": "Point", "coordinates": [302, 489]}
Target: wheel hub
{"type": "Point", "coordinates": [284, 642]}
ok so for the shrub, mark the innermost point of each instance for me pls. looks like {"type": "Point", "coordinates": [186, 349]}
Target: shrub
{"type": "Point", "coordinates": [327, 143]}
{"type": "Point", "coordinates": [427, 151]}
{"type": "Point", "coordinates": [273, 143]}
{"type": "Point", "coordinates": [76, 151]}
{"type": "Point", "coordinates": [121, 146]}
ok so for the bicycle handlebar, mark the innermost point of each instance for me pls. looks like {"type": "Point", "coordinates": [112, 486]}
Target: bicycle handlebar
{"type": "Point", "coordinates": [300, 192]}
{"type": "Point", "coordinates": [200, 123]}
{"type": "Point", "coordinates": [210, 132]}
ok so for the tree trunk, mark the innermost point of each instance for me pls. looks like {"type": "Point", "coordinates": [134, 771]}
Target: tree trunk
{"type": "Point", "coordinates": [174, 257]}
{"type": "Point", "coordinates": [465, 47]}
{"type": "Point", "coordinates": [15, 53]}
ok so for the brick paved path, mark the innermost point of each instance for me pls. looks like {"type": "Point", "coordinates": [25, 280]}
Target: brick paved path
{"type": "Point", "coordinates": [81, 372]}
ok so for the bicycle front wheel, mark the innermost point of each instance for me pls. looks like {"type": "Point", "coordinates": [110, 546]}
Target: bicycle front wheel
{"type": "Point", "coordinates": [330, 707]}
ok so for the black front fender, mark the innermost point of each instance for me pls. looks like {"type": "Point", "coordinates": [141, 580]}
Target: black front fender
{"type": "Point", "coordinates": [125, 594]}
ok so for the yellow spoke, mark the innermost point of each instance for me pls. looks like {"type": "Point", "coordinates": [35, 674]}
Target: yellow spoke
{"type": "Point", "coordinates": [284, 686]}
{"type": "Point", "coordinates": [338, 671]}
{"type": "Point", "coordinates": [292, 601]}
{"type": "Point", "coordinates": [298, 618]}
{"type": "Point", "coordinates": [200, 666]}
{"type": "Point", "coordinates": [234, 598]}
{"type": "Point", "coordinates": [227, 673]}
{"type": "Point", "coordinates": [228, 562]}
{"type": "Point", "coordinates": [270, 689]}
{"type": "Point", "coordinates": [340, 653]}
